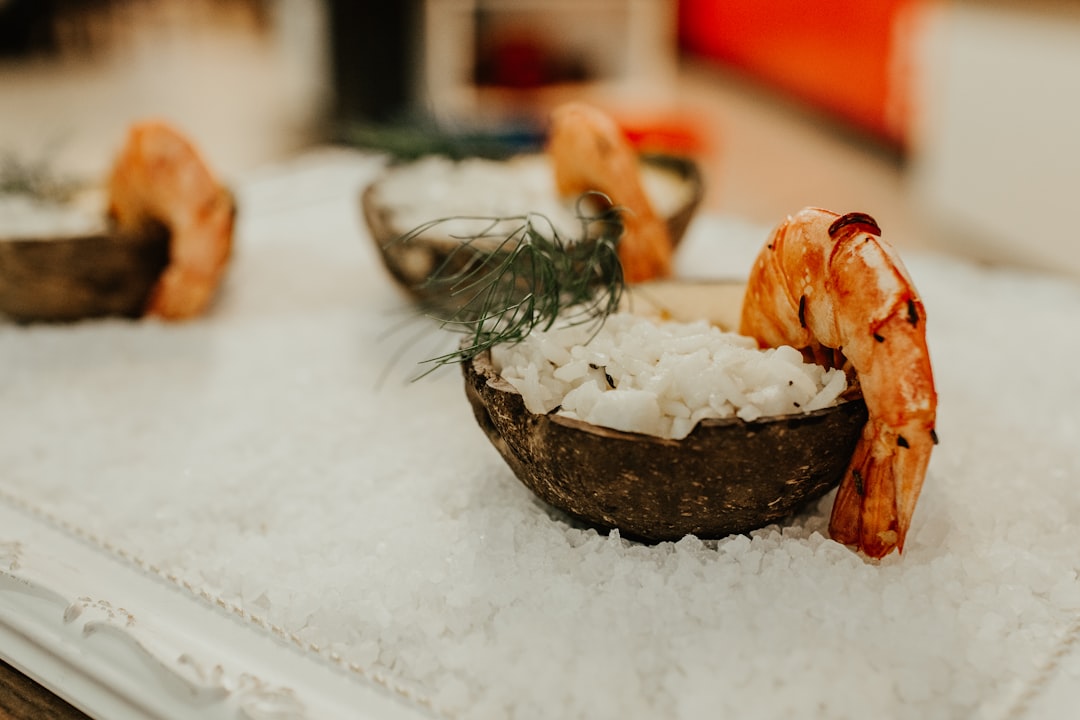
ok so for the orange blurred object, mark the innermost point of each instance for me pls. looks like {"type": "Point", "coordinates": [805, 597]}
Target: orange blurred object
{"type": "Point", "coordinates": [675, 134]}
{"type": "Point", "coordinates": [848, 57]}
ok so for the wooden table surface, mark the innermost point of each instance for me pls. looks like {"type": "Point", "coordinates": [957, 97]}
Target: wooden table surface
{"type": "Point", "coordinates": [23, 699]}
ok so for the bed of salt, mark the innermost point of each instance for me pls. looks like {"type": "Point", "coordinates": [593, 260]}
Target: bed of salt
{"type": "Point", "coordinates": [266, 456]}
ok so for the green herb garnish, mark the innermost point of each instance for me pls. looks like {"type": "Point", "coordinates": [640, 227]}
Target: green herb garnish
{"type": "Point", "coordinates": [496, 286]}
{"type": "Point", "coordinates": [409, 138]}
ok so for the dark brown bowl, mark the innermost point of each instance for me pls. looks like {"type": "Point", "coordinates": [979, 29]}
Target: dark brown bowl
{"type": "Point", "coordinates": [727, 476]}
{"type": "Point", "coordinates": [67, 278]}
{"type": "Point", "coordinates": [411, 263]}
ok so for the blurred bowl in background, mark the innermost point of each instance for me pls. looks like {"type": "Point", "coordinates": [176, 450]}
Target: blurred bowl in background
{"type": "Point", "coordinates": [56, 267]}
{"type": "Point", "coordinates": [469, 194]}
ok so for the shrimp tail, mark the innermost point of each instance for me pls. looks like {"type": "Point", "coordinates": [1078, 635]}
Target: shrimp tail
{"type": "Point", "coordinates": [876, 500]}
{"type": "Point", "coordinates": [864, 513]}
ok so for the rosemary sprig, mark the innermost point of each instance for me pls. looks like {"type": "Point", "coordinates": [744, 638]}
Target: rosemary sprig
{"type": "Point", "coordinates": [500, 285]}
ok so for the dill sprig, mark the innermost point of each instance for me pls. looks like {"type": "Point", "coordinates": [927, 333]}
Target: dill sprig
{"type": "Point", "coordinates": [497, 286]}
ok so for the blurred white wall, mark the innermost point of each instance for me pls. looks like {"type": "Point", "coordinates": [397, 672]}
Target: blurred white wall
{"type": "Point", "coordinates": [247, 89]}
{"type": "Point", "coordinates": [996, 158]}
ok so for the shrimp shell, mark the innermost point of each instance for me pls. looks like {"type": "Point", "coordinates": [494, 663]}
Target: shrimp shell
{"type": "Point", "coordinates": [833, 287]}
{"type": "Point", "coordinates": [590, 153]}
{"type": "Point", "coordinates": [159, 177]}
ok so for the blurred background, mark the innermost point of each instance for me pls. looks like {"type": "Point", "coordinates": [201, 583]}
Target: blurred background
{"type": "Point", "coordinates": [953, 122]}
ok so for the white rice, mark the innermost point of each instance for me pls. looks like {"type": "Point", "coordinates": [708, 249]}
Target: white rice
{"type": "Point", "coordinates": [661, 377]}
{"type": "Point", "coordinates": [25, 216]}
{"type": "Point", "coordinates": [439, 187]}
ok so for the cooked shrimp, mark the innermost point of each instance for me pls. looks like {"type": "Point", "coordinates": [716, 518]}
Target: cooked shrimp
{"type": "Point", "coordinates": [830, 285]}
{"type": "Point", "coordinates": [160, 178]}
{"type": "Point", "coordinates": [591, 154]}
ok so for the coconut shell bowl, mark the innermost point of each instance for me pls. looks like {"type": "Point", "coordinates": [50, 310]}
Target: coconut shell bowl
{"type": "Point", "coordinates": [412, 258]}
{"type": "Point", "coordinates": [727, 476]}
{"type": "Point", "coordinates": [61, 276]}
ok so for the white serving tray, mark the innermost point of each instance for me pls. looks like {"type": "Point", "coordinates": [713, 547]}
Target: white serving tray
{"type": "Point", "coordinates": [256, 515]}
{"type": "Point", "coordinates": [117, 641]}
